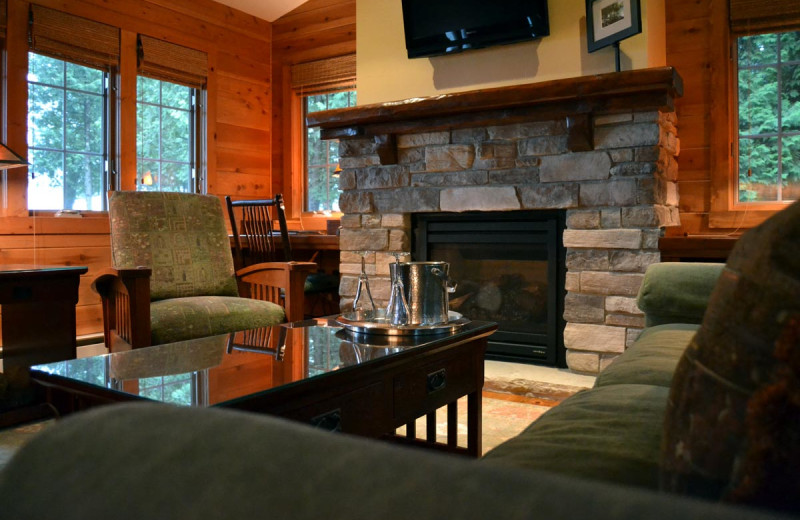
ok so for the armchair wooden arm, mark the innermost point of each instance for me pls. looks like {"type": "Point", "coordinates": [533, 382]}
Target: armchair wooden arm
{"type": "Point", "coordinates": [125, 295]}
{"type": "Point", "coordinates": [277, 282]}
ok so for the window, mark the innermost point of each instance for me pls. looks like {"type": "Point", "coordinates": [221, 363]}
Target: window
{"type": "Point", "coordinates": [768, 142]}
{"type": "Point", "coordinates": [74, 118]}
{"type": "Point", "coordinates": [317, 85]}
{"type": "Point", "coordinates": [165, 130]}
{"type": "Point", "coordinates": [322, 157]}
{"type": "Point", "coordinates": [67, 135]}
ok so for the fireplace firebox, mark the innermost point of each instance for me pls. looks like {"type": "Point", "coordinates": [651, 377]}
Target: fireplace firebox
{"type": "Point", "coordinates": [509, 267]}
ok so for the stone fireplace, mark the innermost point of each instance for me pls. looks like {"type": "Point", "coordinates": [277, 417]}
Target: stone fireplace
{"type": "Point", "coordinates": [602, 148]}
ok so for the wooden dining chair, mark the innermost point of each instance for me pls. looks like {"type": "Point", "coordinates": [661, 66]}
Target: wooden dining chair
{"type": "Point", "coordinates": [256, 239]}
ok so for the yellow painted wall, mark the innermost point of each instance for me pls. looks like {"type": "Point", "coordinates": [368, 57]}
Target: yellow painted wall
{"type": "Point", "coordinates": [386, 74]}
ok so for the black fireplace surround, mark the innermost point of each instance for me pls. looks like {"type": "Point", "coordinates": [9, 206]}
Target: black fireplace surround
{"type": "Point", "coordinates": [509, 267]}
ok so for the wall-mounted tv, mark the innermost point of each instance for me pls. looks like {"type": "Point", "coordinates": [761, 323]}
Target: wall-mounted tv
{"type": "Point", "coordinates": [435, 27]}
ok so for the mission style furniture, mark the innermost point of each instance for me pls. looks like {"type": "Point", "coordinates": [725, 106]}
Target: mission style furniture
{"type": "Point", "coordinates": [173, 276]}
{"type": "Point", "coordinates": [312, 371]}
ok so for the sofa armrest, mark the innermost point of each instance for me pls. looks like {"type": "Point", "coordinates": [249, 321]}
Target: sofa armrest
{"type": "Point", "coordinates": [677, 292]}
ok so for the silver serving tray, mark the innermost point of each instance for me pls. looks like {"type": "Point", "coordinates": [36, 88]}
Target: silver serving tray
{"type": "Point", "coordinates": [380, 325]}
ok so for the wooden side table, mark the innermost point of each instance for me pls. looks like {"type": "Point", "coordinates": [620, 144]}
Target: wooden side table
{"type": "Point", "coordinates": [38, 313]}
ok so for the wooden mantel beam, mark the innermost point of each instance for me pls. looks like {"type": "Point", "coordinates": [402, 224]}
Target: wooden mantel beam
{"type": "Point", "coordinates": [653, 88]}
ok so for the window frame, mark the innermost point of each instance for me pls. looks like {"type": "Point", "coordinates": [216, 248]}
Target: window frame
{"type": "Point", "coordinates": [304, 106]}
{"type": "Point", "coordinates": [109, 115]}
{"type": "Point", "coordinates": [196, 125]}
{"type": "Point", "coordinates": [726, 211]}
{"type": "Point", "coordinates": [735, 134]}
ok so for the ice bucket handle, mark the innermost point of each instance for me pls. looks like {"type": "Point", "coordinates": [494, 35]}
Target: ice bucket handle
{"type": "Point", "coordinates": [448, 284]}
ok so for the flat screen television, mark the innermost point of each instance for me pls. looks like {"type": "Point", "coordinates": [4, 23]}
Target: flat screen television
{"type": "Point", "coordinates": [436, 27]}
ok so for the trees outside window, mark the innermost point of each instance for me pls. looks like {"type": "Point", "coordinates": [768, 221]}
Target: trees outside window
{"type": "Point", "coordinates": [165, 130]}
{"type": "Point", "coordinates": [769, 117]}
{"type": "Point", "coordinates": [322, 157]}
{"type": "Point", "coordinates": [67, 135]}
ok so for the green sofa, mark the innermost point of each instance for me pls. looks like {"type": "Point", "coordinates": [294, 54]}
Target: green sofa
{"type": "Point", "coordinates": [602, 453]}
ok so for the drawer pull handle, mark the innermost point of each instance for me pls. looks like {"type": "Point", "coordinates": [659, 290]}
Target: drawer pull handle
{"type": "Point", "coordinates": [437, 381]}
{"type": "Point", "coordinates": [330, 421]}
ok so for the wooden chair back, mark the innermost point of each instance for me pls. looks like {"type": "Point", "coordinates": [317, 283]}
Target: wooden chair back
{"type": "Point", "coordinates": [254, 233]}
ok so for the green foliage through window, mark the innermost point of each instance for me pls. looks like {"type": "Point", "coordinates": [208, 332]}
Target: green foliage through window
{"type": "Point", "coordinates": [769, 117]}
{"type": "Point", "coordinates": [165, 120]}
{"type": "Point", "coordinates": [66, 135]}
{"type": "Point", "coordinates": [322, 157]}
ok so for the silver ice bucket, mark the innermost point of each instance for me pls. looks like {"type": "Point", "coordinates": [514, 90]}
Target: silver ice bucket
{"type": "Point", "coordinates": [426, 286]}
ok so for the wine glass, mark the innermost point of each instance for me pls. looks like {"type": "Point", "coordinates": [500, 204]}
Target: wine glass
{"type": "Point", "coordinates": [363, 304]}
{"type": "Point", "coordinates": [397, 309]}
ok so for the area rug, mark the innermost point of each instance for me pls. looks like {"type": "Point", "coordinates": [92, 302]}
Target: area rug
{"type": "Point", "coordinates": [504, 416]}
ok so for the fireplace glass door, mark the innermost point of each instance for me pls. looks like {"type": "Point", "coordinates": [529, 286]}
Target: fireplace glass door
{"type": "Point", "coordinates": [508, 268]}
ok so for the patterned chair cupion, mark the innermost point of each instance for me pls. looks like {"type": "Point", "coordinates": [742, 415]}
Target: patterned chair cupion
{"type": "Point", "coordinates": [173, 277]}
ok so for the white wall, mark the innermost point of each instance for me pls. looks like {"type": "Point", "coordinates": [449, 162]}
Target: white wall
{"type": "Point", "coordinates": [386, 74]}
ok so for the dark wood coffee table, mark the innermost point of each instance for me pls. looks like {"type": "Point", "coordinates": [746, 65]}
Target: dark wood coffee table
{"type": "Point", "coordinates": [311, 371]}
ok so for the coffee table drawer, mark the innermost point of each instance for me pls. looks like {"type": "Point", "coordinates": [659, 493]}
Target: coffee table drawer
{"type": "Point", "coordinates": [433, 385]}
{"type": "Point", "coordinates": [352, 412]}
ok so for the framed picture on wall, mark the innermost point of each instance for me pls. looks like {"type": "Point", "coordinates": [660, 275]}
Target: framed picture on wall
{"type": "Point", "coordinates": [609, 21]}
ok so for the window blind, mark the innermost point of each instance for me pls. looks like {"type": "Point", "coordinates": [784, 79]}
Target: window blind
{"type": "Point", "coordinates": [753, 16]}
{"type": "Point", "coordinates": [170, 62]}
{"type": "Point", "coordinates": [328, 75]}
{"type": "Point", "coordinates": [72, 38]}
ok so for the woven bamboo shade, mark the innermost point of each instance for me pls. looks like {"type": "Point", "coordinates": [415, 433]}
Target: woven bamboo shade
{"type": "Point", "coordinates": [753, 16]}
{"type": "Point", "coordinates": [73, 38]}
{"type": "Point", "coordinates": [170, 62]}
{"type": "Point", "coordinates": [326, 75]}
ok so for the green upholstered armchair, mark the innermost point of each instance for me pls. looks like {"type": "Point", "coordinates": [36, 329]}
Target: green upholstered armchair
{"type": "Point", "coordinates": [173, 277]}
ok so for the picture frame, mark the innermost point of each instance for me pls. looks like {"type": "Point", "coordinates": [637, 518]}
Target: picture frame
{"type": "Point", "coordinates": [610, 21]}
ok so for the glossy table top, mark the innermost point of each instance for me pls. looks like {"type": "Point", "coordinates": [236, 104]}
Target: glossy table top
{"type": "Point", "coordinates": [15, 269]}
{"type": "Point", "coordinates": [220, 369]}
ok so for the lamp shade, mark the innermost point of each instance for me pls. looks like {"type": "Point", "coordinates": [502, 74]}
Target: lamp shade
{"type": "Point", "coordinates": [9, 159]}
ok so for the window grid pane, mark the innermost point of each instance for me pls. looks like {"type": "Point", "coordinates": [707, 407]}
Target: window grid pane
{"type": "Point", "coordinates": [322, 157]}
{"type": "Point", "coordinates": [164, 136]}
{"type": "Point", "coordinates": [66, 135]}
{"type": "Point", "coordinates": [769, 117]}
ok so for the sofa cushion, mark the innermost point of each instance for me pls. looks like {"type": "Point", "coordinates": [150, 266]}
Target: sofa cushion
{"type": "Point", "coordinates": [709, 426]}
{"type": "Point", "coordinates": [574, 437]}
{"type": "Point", "coordinates": [652, 359]}
{"type": "Point", "coordinates": [677, 292]}
{"type": "Point", "coordinates": [179, 319]}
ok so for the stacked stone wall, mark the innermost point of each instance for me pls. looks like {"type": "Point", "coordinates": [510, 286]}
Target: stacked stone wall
{"type": "Point", "coordinates": [618, 197]}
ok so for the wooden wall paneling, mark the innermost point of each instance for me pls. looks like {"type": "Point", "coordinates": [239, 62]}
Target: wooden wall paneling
{"type": "Point", "coordinates": [218, 14]}
{"type": "Point", "coordinates": [319, 22]}
{"type": "Point", "coordinates": [165, 23]}
{"type": "Point", "coordinates": [311, 50]}
{"type": "Point", "coordinates": [693, 164]}
{"type": "Point", "coordinates": [691, 224]}
{"type": "Point", "coordinates": [15, 195]}
{"type": "Point", "coordinates": [235, 66]}
{"type": "Point", "coordinates": [237, 161]}
{"type": "Point", "coordinates": [210, 108]}
{"type": "Point", "coordinates": [243, 103]}
{"type": "Point", "coordinates": [694, 196]}
{"type": "Point", "coordinates": [88, 318]}
{"type": "Point", "coordinates": [244, 185]}
{"type": "Point", "coordinates": [126, 99]}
